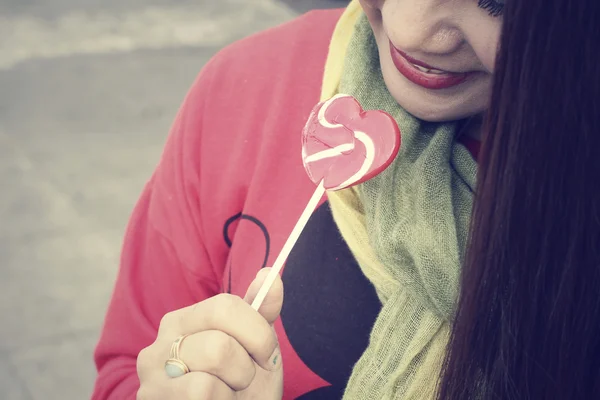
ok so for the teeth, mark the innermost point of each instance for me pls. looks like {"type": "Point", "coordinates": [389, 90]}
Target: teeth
{"type": "Point", "coordinates": [429, 71]}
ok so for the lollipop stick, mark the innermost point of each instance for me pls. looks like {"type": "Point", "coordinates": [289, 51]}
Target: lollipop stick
{"type": "Point", "coordinates": [289, 244]}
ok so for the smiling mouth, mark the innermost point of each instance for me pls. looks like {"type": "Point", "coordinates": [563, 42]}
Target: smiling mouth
{"type": "Point", "coordinates": [423, 74]}
{"type": "Point", "coordinates": [418, 64]}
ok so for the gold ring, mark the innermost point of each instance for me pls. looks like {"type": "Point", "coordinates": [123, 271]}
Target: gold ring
{"type": "Point", "coordinates": [174, 366]}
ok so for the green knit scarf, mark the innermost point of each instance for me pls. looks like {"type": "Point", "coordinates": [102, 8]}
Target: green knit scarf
{"type": "Point", "coordinates": [417, 217]}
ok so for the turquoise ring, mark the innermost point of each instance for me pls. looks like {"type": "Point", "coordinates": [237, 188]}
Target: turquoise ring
{"type": "Point", "coordinates": [174, 366]}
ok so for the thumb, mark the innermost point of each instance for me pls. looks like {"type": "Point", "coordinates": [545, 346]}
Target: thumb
{"type": "Point", "coordinates": [271, 306]}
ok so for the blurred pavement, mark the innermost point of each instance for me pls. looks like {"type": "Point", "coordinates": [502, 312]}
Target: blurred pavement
{"type": "Point", "coordinates": [88, 90]}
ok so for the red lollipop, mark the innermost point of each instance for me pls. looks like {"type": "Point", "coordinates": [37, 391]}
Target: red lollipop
{"type": "Point", "coordinates": [342, 145]}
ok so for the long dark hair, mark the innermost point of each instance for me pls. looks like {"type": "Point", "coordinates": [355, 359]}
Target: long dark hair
{"type": "Point", "coordinates": [528, 318]}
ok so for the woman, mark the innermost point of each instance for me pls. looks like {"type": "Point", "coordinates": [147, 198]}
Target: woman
{"type": "Point", "coordinates": [372, 316]}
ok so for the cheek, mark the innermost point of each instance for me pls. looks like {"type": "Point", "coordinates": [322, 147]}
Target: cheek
{"type": "Point", "coordinates": [369, 4]}
{"type": "Point", "coordinates": [372, 11]}
{"type": "Point", "coordinates": [485, 40]}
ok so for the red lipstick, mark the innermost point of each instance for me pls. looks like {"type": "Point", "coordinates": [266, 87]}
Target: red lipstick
{"type": "Point", "coordinates": [436, 79]}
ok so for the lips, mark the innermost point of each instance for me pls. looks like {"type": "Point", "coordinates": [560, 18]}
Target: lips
{"type": "Point", "coordinates": [423, 74]}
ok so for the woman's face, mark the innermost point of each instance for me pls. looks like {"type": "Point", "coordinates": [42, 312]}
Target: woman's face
{"type": "Point", "coordinates": [437, 56]}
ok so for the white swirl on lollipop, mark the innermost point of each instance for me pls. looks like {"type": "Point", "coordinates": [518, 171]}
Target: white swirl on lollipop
{"type": "Point", "coordinates": [339, 150]}
{"type": "Point", "coordinates": [369, 159]}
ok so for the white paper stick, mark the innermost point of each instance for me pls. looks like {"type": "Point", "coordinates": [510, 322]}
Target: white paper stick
{"type": "Point", "coordinates": [289, 244]}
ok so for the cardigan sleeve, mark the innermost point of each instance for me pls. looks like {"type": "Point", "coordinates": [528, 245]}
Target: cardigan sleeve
{"type": "Point", "coordinates": [164, 264]}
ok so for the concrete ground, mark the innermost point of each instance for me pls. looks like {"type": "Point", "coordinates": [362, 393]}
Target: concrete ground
{"type": "Point", "coordinates": [88, 90]}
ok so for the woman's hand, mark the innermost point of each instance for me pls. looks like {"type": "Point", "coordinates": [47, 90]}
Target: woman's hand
{"type": "Point", "coordinates": [231, 351]}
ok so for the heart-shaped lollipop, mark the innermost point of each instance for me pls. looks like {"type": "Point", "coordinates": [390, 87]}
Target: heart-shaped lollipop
{"type": "Point", "coordinates": [342, 145]}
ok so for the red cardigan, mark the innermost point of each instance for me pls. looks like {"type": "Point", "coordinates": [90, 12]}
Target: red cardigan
{"type": "Point", "coordinates": [233, 151]}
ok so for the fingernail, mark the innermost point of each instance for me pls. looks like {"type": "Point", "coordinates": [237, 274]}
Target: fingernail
{"type": "Point", "coordinates": [275, 359]}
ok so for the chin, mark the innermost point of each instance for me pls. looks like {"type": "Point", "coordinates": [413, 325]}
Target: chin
{"type": "Point", "coordinates": [434, 112]}
{"type": "Point", "coordinates": [430, 113]}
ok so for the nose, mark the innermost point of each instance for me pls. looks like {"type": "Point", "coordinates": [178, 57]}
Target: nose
{"type": "Point", "coordinates": [423, 26]}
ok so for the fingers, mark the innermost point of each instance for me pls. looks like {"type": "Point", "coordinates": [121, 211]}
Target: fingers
{"type": "Point", "coordinates": [201, 386]}
{"type": "Point", "coordinates": [271, 306]}
{"type": "Point", "coordinates": [230, 315]}
{"type": "Point", "coordinates": [220, 355]}
{"type": "Point", "coordinates": [191, 386]}
{"type": "Point", "coordinates": [218, 365]}
{"type": "Point", "coordinates": [226, 340]}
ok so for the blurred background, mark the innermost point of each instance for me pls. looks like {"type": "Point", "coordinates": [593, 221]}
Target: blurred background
{"type": "Point", "coordinates": [88, 91]}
